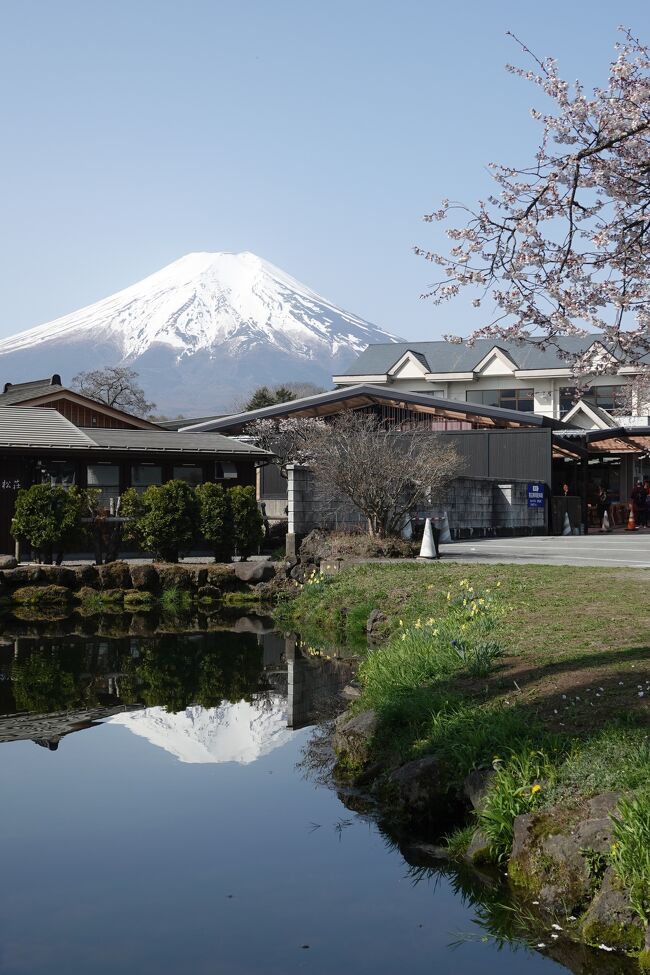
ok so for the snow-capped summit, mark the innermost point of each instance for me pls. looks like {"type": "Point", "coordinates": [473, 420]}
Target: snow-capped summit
{"type": "Point", "coordinates": [241, 732]}
{"type": "Point", "coordinates": [199, 330]}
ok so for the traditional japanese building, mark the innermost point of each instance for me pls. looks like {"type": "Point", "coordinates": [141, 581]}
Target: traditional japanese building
{"type": "Point", "coordinates": [38, 444]}
{"type": "Point", "coordinates": [79, 409]}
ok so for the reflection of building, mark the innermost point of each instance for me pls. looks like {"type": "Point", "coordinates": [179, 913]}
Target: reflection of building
{"type": "Point", "coordinates": [274, 688]}
{"type": "Point", "coordinates": [47, 730]}
{"type": "Point", "coordinates": [313, 684]}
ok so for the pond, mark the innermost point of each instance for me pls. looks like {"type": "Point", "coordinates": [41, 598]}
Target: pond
{"type": "Point", "coordinates": [157, 818]}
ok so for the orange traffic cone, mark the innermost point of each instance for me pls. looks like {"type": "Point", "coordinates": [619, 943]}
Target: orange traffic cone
{"type": "Point", "coordinates": [631, 523]}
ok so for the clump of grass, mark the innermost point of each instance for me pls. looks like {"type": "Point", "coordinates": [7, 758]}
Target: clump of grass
{"type": "Point", "coordinates": [174, 600]}
{"type": "Point", "coordinates": [478, 658]}
{"type": "Point", "coordinates": [433, 649]}
{"type": "Point", "coordinates": [468, 736]}
{"type": "Point", "coordinates": [630, 853]}
{"type": "Point", "coordinates": [516, 789]}
{"type": "Point", "coordinates": [457, 843]}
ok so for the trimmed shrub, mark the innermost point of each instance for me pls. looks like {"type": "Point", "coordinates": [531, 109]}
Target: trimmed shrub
{"type": "Point", "coordinates": [165, 519]}
{"type": "Point", "coordinates": [247, 521]}
{"type": "Point", "coordinates": [217, 520]}
{"type": "Point", "coordinates": [48, 517]}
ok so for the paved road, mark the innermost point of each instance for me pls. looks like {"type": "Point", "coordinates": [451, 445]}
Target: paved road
{"type": "Point", "coordinates": [613, 551]}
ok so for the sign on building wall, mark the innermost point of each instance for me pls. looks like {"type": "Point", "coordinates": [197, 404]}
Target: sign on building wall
{"type": "Point", "coordinates": [535, 495]}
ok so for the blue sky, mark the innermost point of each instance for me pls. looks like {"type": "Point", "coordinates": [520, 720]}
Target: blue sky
{"type": "Point", "coordinates": [315, 134]}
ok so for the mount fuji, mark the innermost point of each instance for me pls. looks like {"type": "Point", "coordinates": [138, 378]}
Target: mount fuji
{"type": "Point", "coordinates": [201, 332]}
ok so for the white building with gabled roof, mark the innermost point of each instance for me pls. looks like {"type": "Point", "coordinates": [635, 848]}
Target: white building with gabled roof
{"type": "Point", "coordinates": [510, 375]}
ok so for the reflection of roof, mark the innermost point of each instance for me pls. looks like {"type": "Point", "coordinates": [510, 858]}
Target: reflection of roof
{"type": "Point", "coordinates": [452, 357]}
{"type": "Point", "coordinates": [39, 427]}
{"type": "Point", "coordinates": [356, 397]}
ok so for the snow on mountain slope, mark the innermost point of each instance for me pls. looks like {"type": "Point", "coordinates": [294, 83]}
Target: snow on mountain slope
{"type": "Point", "coordinates": [204, 301]}
{"type": "Point", "coordinates": [201, 332]}
{"type": "Point", "coordinates": [239, 732]}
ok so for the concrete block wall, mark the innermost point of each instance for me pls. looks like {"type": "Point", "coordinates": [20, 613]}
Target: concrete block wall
{"type": "Point", "coordinates": [474, 506]}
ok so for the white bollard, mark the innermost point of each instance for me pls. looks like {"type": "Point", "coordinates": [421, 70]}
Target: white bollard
{"type": "Point", "coordinates": [566, 527]}
{"type": "Point", "coordinates": [606, 527]}
{"type": "Point", "coordinates": [427, 549]}
{"type": "Point", "coordinates": [445, 534]}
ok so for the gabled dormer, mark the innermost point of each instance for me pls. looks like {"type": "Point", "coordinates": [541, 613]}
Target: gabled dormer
{"type": "Point", "coordinates": [410, 365]}
{"type": "Point", "coordinates": [496, 363]}
{"type": "Point", "coordinates": [588, 416]}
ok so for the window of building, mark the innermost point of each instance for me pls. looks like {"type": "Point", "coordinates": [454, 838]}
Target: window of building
{"type": "Point", "coordinates": [58, 472]}
{"type": "Point", "coordinates": [191, 475]}
{"type": "Point", "coordinates": [604, 396]}
{"type": "Point", "coordinates": [105, 478]}
{"type": "Point", "coordinates": [225, 470]}
{"type": "Point", "coordinates": [144, 475]}
{"type": "Point", "coordinates": [568, 398]}
{"type": "Point", "coordinates": [507, 399]}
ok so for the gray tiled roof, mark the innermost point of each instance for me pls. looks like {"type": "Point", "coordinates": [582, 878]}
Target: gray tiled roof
{"type": "Point", "coordinates": [20, 392]}
{"type": "Point", "coordinates": [168, 440]}
{"type": "Point", "coordinates": [449, 357]}
{"type": "Point", "coordinates": [35, 426]}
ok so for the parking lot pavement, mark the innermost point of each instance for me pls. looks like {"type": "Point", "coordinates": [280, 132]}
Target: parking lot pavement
{"type": "Point", "coordinates": [618, 550]}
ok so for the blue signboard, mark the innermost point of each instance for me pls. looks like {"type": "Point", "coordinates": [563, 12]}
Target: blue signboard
{"type": "Point", "coordinates": [535, 495]}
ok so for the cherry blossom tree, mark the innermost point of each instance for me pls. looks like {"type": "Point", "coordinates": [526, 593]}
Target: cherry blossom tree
{"type": "Point", "coordinates": [562, 247]}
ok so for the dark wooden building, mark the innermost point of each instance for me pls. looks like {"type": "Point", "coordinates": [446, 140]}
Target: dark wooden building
{"type": "Point", "coordinates": [39, 445]}
{"type": "Point", "coordinates": [80, 410]}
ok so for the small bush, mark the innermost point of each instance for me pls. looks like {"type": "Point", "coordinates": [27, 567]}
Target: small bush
{"type": "Point", "coordinates": [216, 522]}
{"type": "Point", "coordinates": [49, 517]}
{"type": "Point", "coordinates": [165, 518]}
{"type": "Point", "coordinates": [248, 525]}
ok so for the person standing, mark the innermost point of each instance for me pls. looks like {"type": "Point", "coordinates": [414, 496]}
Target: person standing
{"type": "Point", "coordinates": [639, 497]}
{"type": "Point", "coordinates": [602, 508]}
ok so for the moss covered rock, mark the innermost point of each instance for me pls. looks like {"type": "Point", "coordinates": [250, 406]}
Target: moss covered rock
{"type": "Point", "coordinates": [610, 919]}
{"type": "Point", "coordinates": [175, 577]}
{"type": "Point", "coordinates": [144, 578]}
{"type": "Point", "coordinates": [139, 600]}
{"type": "Point", "coordinates": [554, 851]}
{"type": "Point", "coordinates": [86, 576]}
{"type": "Point", "coordinates": [115, 575]}
{"type": "Point", "coordinates": [222, 575]}
{"type": "Point", "coordinates": [41, 595]}
{"type": "Point", "coordinates": [353, 737]}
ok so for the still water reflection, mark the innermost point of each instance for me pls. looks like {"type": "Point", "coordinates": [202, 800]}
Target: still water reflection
{"type": "Point", "coordinates": [163, 825]}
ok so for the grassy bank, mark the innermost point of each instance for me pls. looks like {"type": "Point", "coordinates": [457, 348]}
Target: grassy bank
{"type": "Point", "coordinates": [540, 674]}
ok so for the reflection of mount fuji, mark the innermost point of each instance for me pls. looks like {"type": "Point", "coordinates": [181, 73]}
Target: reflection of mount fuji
{"type": "Point", "coordinates": [241, 732]}
{"type": "Point", "coordinates": [207, 696]}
